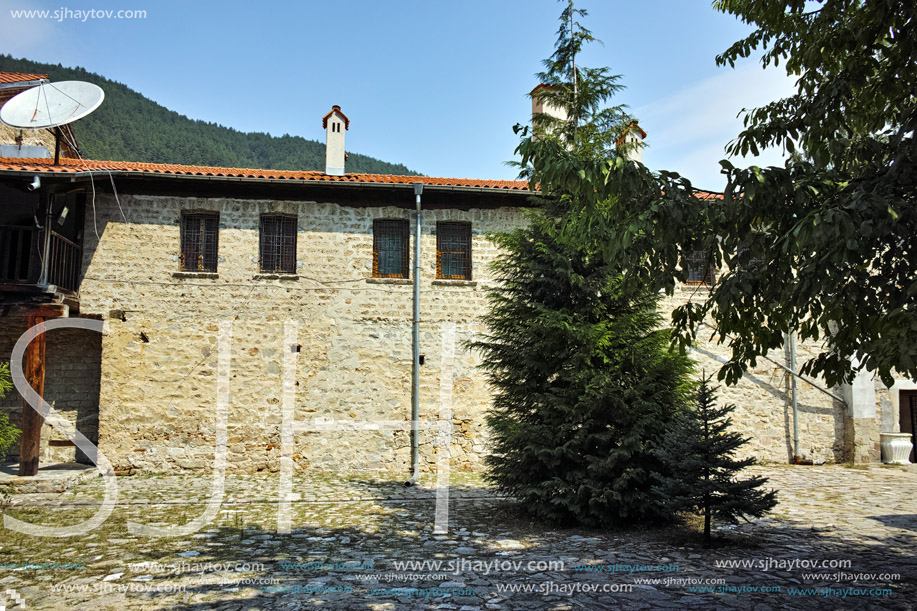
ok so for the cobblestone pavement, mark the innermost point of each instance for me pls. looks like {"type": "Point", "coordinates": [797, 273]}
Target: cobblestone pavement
{"type": "Point", "coordinates": [841, 538]}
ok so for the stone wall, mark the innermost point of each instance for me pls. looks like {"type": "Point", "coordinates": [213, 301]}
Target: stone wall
{"type": "Point", "coordinates": [158, 404]}
{"type": "Point", "coordinates": [157, 395]}
{"type": "Point", "coordinates": [764, 404]}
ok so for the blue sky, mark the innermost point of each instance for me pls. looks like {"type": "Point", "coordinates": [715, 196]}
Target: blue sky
{"type": "Point", "coordinates": [432, 84]}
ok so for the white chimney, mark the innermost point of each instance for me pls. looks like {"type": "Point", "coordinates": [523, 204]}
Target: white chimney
{"type": "Point", "coordinates": [335, 124]}
{"type": "Point", "coordinates": [633, 137]}
{"type": "Point", "coordinates": [541, 105]}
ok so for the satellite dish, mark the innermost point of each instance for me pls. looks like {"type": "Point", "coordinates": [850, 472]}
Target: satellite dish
{"type": "Point", "coordinates": [51, 105]}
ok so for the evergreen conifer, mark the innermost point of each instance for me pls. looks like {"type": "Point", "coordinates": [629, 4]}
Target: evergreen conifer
{"type": "Point", "coordinates": [585, 382]}
{"type": "Point", "coordinates": [699, 451]}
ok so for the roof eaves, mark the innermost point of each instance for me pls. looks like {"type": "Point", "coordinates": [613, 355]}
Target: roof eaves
{"type": "Point", "coordinates": [82, 175]}
{"type": "Point", "coordinates": [22, 84]}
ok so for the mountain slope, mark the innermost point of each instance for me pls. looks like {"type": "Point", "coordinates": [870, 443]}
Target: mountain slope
{"type": "Point", "coordinates": [131, 127]}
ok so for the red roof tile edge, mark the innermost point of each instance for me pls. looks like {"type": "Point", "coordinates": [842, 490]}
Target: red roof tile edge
{"type": "Point", "coordinates": [16, 77]}
{"type": "Point", "coordinates": [74, 166]}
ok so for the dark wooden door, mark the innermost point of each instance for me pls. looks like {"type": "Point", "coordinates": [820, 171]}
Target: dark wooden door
{"type": "Point", "coordinates": [908, 418]}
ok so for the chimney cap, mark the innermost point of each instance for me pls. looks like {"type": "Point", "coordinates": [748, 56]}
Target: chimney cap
{"type": "Point", "coordinates": [634, 125]}
{"type": "Point", "coordinates": [335, 109]}
{"type": "Point", "coordinates": [539, 86]}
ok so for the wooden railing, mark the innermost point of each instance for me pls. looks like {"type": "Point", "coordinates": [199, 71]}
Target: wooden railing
{"type": "Point", "coordinates": [22, 256]}
{"type": "Point", "coordinates": [19, 255]}
{"type": "Point", "coordinates": [63, 263]}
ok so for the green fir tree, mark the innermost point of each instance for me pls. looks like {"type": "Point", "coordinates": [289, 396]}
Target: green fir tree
{"type": "Point", "coordinates": [585, 383]}
{"type": "Point", "coordinates": [699, 451]}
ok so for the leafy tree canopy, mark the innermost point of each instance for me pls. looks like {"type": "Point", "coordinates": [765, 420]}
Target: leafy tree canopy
{"type": "Point", "coordinates": [835, 227]}
{"type": "Point", "coordinates": [8, 433]}
{"type": "Point", "coordinates": [6, 384]}
{"type": "Point", "coordinates": [823, 245]}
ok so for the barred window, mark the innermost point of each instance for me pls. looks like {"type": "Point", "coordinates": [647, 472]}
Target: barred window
{"type": "Point", "coordinates": [391, 248]}
{"type": "Point", "coordinates": [278, 244]}
{"type": "Point", "coordinates": [453, 251]}
{"type": "Point", "coordinates": [699, 266]}
{"type": "Point", "coordinates": [200, 233]}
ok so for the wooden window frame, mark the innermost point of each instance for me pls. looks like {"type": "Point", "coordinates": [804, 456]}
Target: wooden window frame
{"type": "Point", "coordinates": [398, 226]}
{"type": "Point", "coordinates": [703, 273]}
{"type": "Point", "coordinates": [199, 240]}
{"type": "Point", "coordinates": [274, 255]}
{"type": "Point", "coordinates": [447, 231]}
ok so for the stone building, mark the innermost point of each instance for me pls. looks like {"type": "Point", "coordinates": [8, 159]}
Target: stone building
{"type": "Point", "coordinates": [196, 274]}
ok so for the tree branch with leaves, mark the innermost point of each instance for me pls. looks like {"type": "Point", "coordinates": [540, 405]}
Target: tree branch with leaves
{"type": "Point", "coordinates": [9, 434]}
{"type": "Point", "coordinates": [583, 375]}
{"type": "Point", "coordinates": [823, 246]}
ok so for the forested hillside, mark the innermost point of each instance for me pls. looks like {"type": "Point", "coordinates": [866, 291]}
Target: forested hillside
{"type": "Point", "coordinates": [130, 127]}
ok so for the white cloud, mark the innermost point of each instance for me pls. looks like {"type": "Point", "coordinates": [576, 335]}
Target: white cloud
{"type": "Point", "coordinates": [689, 129]}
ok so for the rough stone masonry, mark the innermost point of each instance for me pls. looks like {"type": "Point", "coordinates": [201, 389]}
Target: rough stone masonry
{"type": "Point", "coordinates": [147, 390]}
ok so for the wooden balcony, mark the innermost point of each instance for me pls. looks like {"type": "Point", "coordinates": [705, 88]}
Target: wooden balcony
{"type": "Point", "coordinates": [38, 264]}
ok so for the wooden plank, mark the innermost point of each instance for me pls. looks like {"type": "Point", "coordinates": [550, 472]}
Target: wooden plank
{"type": "Point", "coordinates": [6, 237]}
{"type": "Point", "coordinates": [31, 420]}
{"type": "Point", "coordinates": [45, 310]}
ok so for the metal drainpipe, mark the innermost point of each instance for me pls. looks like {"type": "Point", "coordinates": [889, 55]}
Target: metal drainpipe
{"type": "Point", "coordinates": [792, 340]}
{"type": "Point", "coordinates": [415, 370]}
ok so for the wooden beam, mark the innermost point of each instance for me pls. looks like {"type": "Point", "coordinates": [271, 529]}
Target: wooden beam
{"type": "Point", "coordinates": [31, 421]}
{"type": "Point", "coordinates": [45, 310]}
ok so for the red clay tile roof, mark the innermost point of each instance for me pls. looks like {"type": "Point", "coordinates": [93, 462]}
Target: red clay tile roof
{"type": "Point", "coordinates": [70, 166]}
{"type": "Point", "coordinates": [334, 109]}
{"type": "Point", "coordinates": [75, 166]}
{"type": "Point", "coordinates": [16, 77]}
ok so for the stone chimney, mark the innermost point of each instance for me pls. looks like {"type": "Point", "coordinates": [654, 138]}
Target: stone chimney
{"type": "Point", "coordinates": [335, 124]}
{"type": "Point", "coordinates": [540, 105]}
{"type": "Point", "coordinates": [633, 136]}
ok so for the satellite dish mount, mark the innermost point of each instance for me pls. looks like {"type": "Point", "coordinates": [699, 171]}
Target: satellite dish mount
{"type": "Point", "coordinates": [51, 106]}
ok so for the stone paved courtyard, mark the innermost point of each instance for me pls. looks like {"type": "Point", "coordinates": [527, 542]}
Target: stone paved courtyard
{"type": "Point", "coordinates": [858, 525]}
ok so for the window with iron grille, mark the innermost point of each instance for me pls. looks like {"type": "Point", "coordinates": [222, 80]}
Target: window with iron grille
{"type": "Point", "coordinates": [453, 251]}
{"type": "Point", "coordinates": [200, 233]}
{"type": "Point", "coordinates": [700, 267]}
{"type": "Point", "coordinates": [278, 244]}
{"type": "Point", "coordinates": [391, 248]}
